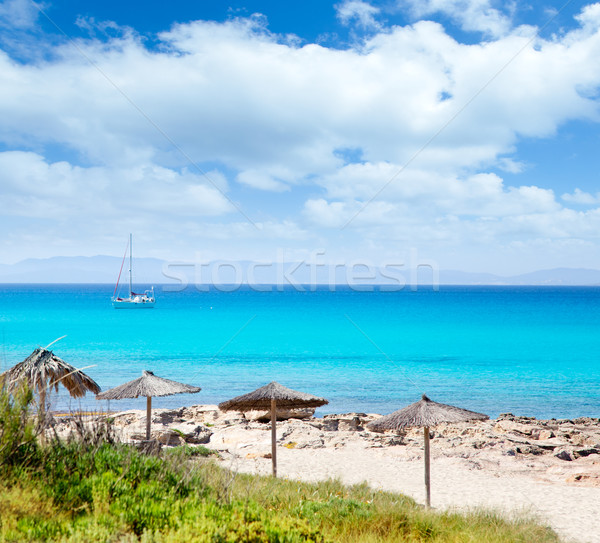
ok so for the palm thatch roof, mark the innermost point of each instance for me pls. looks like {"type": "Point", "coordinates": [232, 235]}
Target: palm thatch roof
{"type": "Point", "coordinates": [424, 413]}
{"type": "Point", "coordinates": [260, 399]}
{"type": "Point", "coordinates": [42, 369]}
{"type": "Point", "coordinates": [272, 397]}
{"type": "Point", "coordinates": [148, 385]}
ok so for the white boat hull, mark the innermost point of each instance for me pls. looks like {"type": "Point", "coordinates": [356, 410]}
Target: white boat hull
{"type": "Point", "coordinates": [137, 302]}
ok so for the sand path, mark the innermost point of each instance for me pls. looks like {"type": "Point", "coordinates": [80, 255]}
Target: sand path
{"type": "Point", "coordinates": [572, 511]}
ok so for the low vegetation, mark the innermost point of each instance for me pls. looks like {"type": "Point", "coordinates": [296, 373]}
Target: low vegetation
{"type": "Point", "coordinates": [92, 489]}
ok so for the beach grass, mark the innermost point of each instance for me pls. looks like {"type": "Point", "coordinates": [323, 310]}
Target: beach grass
{"type": "Point", "coordinates": [115, 493]}
{"type": "Point", "coordinates": [91, 489]}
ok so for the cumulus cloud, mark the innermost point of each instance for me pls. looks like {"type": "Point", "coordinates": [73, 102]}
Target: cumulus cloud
{"type": "Point", "coordinates": [580, 197]}
{"type": "Point", "coordinates": [431, 117]}
{"type": "Point", "coordinates": [429, 193]}
{"type": "Point", "coordinates": [19, 14]}
{"type": "Point", "coordinates": [32, 187]}
{"type": "Point", "coordinates": [248, 101]}
{"type": "Point", "coordinates": [259, 180]}
{"type": "Point", "coordinates": [471, 15]}
{"type": "Point", "coordinates": [511, 166]}
{"type": "Point", "coordinates": [362, 13]}
{"type": "Point", "coordinates": [590, 17]}
{"type": "Point", "coordinates": [422, 197]}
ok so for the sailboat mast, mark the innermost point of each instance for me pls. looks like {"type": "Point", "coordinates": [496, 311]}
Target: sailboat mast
{"type": "Point", "coordinates": [130, 266]}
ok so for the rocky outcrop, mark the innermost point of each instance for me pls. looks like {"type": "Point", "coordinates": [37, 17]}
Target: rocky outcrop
{"type": "Point", "coordinates": [347, 422]}
{"type": "Point", "coordinates": [567, 449]}
{"type": "Point", "coordinates": [564, 454]}
{"type": "Point", "coordinates": [282, 414]}
{"type": "Point", "coordinates": [178, 434]}
{"type": "Point", "coordinates": [193, 433]}
{"type": "Point", "coordinates": [168, 437]}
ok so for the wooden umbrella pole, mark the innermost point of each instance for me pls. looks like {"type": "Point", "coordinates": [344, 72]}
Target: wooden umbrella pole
{"type": "Point", "coordinates": [427, 481]}
{"type": "Point", "coordinates": [274, 435]}
{"type": "Point", "coordinates": [42, 415]}
{"type": "Point", "coordinates": [148, 416]}
{"type": "Point", "coordinates": [43, 406]}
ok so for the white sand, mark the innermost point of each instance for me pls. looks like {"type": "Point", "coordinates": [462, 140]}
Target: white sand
{"type": "Point", "coordinates": [506, 484]}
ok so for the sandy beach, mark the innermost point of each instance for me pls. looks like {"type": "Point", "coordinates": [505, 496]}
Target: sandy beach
{"type": "Point", "coordinates": [548, 469]}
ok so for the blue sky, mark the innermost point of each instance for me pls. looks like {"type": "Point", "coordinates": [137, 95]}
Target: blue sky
{"type": "Point", "coordinates": [465, 130]}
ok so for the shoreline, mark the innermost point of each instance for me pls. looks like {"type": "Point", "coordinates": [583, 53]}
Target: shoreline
{"type": "Point", "coordinates": [547, 468]}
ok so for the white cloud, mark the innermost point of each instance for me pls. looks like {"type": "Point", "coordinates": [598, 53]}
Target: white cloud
{"type": "Point", "coordinates": [428, 193]}
{"type": "Point", "coordinates": [338, 214]}
{"type": "Point", "coordinates": [254, 104]}
{"type": "Point", "coordinates": [590, 17]}
{"type": "Point", "coordinates": [580, 197]}
{"type": "Point", "coordinates": [511, 166]}
{"type": "Point", "coordinates": [430, 116]}
{"type": "Point", "coordinates": [423, 198]}
{"type": "Point", "coordinates": [328, 214]}
{"type": "Point", "coordinates": [471, 15]}
{"type": "Point", "coordinates": [19, 14]}
{"type": "Point", "coordinates": [356, 10]}
{"type": "Point", "coordinates": [261, 180]}
{"type": "Point", "coordinates": [32, 187]}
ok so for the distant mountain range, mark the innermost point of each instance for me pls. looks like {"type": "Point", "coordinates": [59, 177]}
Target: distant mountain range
{"type": "Point", "coordinates": [555, 276]}
{"type": "Point", "coordinates": [105, 269]}
{"type": "Point", "coordinates": [78, 269]}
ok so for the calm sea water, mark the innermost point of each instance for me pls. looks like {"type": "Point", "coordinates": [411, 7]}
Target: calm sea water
{"type": "Point", "coordinates": [526, 350]}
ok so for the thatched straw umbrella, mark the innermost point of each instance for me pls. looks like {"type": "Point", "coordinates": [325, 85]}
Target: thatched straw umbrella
{"type": "Point", "coordinates": [424, 413]}
{"type": "Point", "coordinates": [270, 397]}
{"type": "Point", "coordinates": [42, 370]}
{"type": "Point", "coordinates": [148, 385]}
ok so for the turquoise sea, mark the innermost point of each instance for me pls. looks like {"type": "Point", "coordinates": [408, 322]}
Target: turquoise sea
{"type": "Point", "coordinates": [527, 350]}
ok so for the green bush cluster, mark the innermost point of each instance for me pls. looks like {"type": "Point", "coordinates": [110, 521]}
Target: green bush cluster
{"type": "Point", "coordinates": [18, 429]}
{"type": "Point", "coordinates": [117, 490]}
{"type": "Point", "coordinates": [92, 490]}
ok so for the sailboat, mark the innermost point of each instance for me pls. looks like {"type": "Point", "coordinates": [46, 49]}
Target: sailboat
{"type": "Point", "coordinates": [134, 301]}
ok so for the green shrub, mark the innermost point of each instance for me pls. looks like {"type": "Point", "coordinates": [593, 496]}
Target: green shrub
{"type": "Point", "coordinates": [85, 490]}
{"type": "Point", "coordinates": [187, 451]}
{"type": "Point", "coordinates": [18, 429]}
